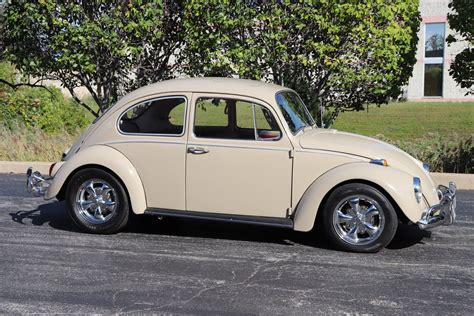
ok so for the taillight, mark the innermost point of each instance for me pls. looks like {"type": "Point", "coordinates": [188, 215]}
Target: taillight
{"type": "Point", "coordinates": [51, 168]}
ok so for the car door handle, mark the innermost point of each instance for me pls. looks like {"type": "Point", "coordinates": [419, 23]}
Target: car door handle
{"type": "Point", "coordinates": [197, 150]}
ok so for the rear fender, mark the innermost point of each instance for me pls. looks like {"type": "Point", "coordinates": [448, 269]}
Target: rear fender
{"type": "Point", "coordinates": [109, 158]}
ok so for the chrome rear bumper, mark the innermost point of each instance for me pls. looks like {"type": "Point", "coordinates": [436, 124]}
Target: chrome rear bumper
{"type": "Point", "coordinates": [443, 213]}
{"type": "Point", "coordinates": [36, 184]}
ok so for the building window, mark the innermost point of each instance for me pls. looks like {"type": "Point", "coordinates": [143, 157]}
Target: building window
{"type": "Point", "coordinates": [434, 40]}
{"type": "Point", "coordinates": [433, 80]}
{"type": "Point", "coordinates": [434, 59]}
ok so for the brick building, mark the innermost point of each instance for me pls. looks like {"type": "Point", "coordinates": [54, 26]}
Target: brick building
{"type": "Point", "coordinates": [431, 79]}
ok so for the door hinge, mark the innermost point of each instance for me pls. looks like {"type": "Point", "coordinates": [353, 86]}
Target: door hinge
{"type": "Point", "coordinates": [291, 153]}
{"type": "Point", "coordinates": [289, 212]}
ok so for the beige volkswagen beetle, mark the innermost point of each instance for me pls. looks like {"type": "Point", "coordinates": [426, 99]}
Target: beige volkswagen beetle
{"type": "Point", "coordinates": [241, 151]}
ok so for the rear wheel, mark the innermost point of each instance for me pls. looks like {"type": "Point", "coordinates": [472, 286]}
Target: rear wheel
{"type": "Point", "coordinates": [359, 218]}
{"type": "Point", "coordinates": [97, 201]}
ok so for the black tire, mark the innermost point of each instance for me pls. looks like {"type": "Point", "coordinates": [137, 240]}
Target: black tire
{"type": "Point", "coordinates": [340, 230]}
{"type": "Point", "coordinates": [113, 221]}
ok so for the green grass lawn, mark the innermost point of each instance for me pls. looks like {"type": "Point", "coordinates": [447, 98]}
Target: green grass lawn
{"type": "Point", "coordinates": [407, 121]}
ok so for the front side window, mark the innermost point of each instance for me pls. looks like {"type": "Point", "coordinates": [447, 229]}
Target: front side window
{"type": "Point", "coordinates": [294, 111]}
{"type": "Point", "coordinates": [234, 119]}
{"type": "Point", "coordinates": [159, 116]}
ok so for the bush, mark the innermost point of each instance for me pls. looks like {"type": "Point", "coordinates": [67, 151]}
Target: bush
{"type": "Point", "coordinates": [38, 108]}
{"type": "Point", "coordinates": [453, 154]}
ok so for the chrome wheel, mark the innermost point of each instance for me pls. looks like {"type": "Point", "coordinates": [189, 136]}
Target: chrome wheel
{"type": "Point", "coordinates": [358, 220]}
{"type": "Point", "coordinates": [96, 201]}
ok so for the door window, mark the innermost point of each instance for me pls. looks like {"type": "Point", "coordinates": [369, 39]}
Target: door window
{"type": "Point", "coordinates": [234, 119]}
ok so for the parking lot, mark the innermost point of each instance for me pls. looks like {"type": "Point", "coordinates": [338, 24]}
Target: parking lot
{"type": "Point", "coordinates": [194, 267]}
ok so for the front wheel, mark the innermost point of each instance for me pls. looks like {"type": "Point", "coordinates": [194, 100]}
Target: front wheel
{"type": "Point", "coordinates": [97, 201]}
{"type": "Point", "coordinates": [359, 218]}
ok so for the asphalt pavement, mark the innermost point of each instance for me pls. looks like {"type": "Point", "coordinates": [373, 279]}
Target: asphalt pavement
{"type": "Point", "coordinates": [182, 266]}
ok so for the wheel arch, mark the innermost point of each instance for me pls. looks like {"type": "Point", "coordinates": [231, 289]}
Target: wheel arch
{"type": "Point", "coordinates": [401, 216]}
{"type": "Point", "coordinates": [393, 183]}
{"type": "Point", "coordinates": [105, 158]}
{"type": "Point", "coordinates": [62, 192]}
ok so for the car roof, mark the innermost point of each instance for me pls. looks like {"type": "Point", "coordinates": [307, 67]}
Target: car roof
{"type": "Point", "coordinates": [252, 88]}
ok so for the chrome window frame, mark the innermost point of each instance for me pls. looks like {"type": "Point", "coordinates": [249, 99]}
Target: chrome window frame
{"type": "Point", "coordinates": [186, 102]}
{"type": "Point", "coordinates": [256, 139]}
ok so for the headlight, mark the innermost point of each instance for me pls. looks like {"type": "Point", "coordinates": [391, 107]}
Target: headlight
{"type": "Point", "coordinates": [417, 189]}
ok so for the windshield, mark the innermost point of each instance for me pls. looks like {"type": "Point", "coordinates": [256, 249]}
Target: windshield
{"type": "Point", "coordinates": [295, 112]}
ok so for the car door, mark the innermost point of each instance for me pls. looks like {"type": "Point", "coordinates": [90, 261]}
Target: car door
{"type": "Point", "coordinates": [153, 138]}
{"type": "Point", "coordinates": [238, 159]}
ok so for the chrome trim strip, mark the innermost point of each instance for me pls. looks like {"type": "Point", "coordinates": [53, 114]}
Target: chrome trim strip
{"type": "Point", "coordinates": [241, 219]}
{"type": "Point", "coordinates": [330, 152]}
{"type": "Point", "coordinates": [255, 122]}
{"type": "Point", "coordinates": [145, 142]}
{"type": "Point", "coordinates": [237, 147]}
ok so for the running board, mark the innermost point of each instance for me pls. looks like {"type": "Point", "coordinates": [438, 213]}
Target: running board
{"type": "Point", "coordinates": [243, 219]}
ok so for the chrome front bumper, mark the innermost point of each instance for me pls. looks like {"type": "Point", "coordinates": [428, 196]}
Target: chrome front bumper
{"type": "Point", "coordinates": [36, 184]}
{"type": "Point", "coordinates": [443, 213]}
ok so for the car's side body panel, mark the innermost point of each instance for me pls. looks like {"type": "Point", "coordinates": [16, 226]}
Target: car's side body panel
{"type": "Point", "coordinates": [246, 177]}
{"type": "Point", "coordinates": [393, 181]}
{"type": "Point", "coordinates": [161, 166]}
{"type": "Point", "coordinates": [310, 165]}
{"type": "Point", "coordinates": [159, 160]}
{"type": "Point", "coordinates": [109, 158]}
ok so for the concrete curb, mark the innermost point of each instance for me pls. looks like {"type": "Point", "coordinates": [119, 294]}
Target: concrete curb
{"type": "Point", "coordinates": [21, 166]}
{"type": "Point", "coordinates": [463, 181]}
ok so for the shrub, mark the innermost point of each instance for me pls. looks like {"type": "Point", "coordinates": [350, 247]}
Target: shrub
{"type": "Point", "coordinates": [452, 154]}
{"type": "Point", "coordinates": [40, 109]}
{"type": "Point", "coordinates": [37, 108]}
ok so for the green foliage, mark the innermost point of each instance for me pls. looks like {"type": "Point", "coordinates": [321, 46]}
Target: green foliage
{"type": "Point", "coordinates": [36, 108]}
{"type": "Point", "coordinates": [462, 21]}
{"type": "Point", "coordinates": [109, 47]}
{"type": "Point", "coordinates": [337, 55]}
{"type": "Point", "coordinates": [340, 55]}
{"type": "Point", "coordinates": [454, 154]}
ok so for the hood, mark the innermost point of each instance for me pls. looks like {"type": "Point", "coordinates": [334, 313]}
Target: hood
{"type": "Point", "coordinates": [362, 146]}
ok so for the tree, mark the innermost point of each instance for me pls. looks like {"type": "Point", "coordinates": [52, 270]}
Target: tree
{"type": "Point", "coordinates": [335, 55]}
{"type": "Point", "coordinates": [108, 47]}
{"type": "Point", "coordinates": [435, 42]}
{"type": "Point", "coordinates": [461, 19]}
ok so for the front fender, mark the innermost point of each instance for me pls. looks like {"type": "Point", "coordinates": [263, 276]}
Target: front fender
{"type": "Point", "coordinates": [398, 184]}
{"type": "Point", "coordinates": [109, 158]}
